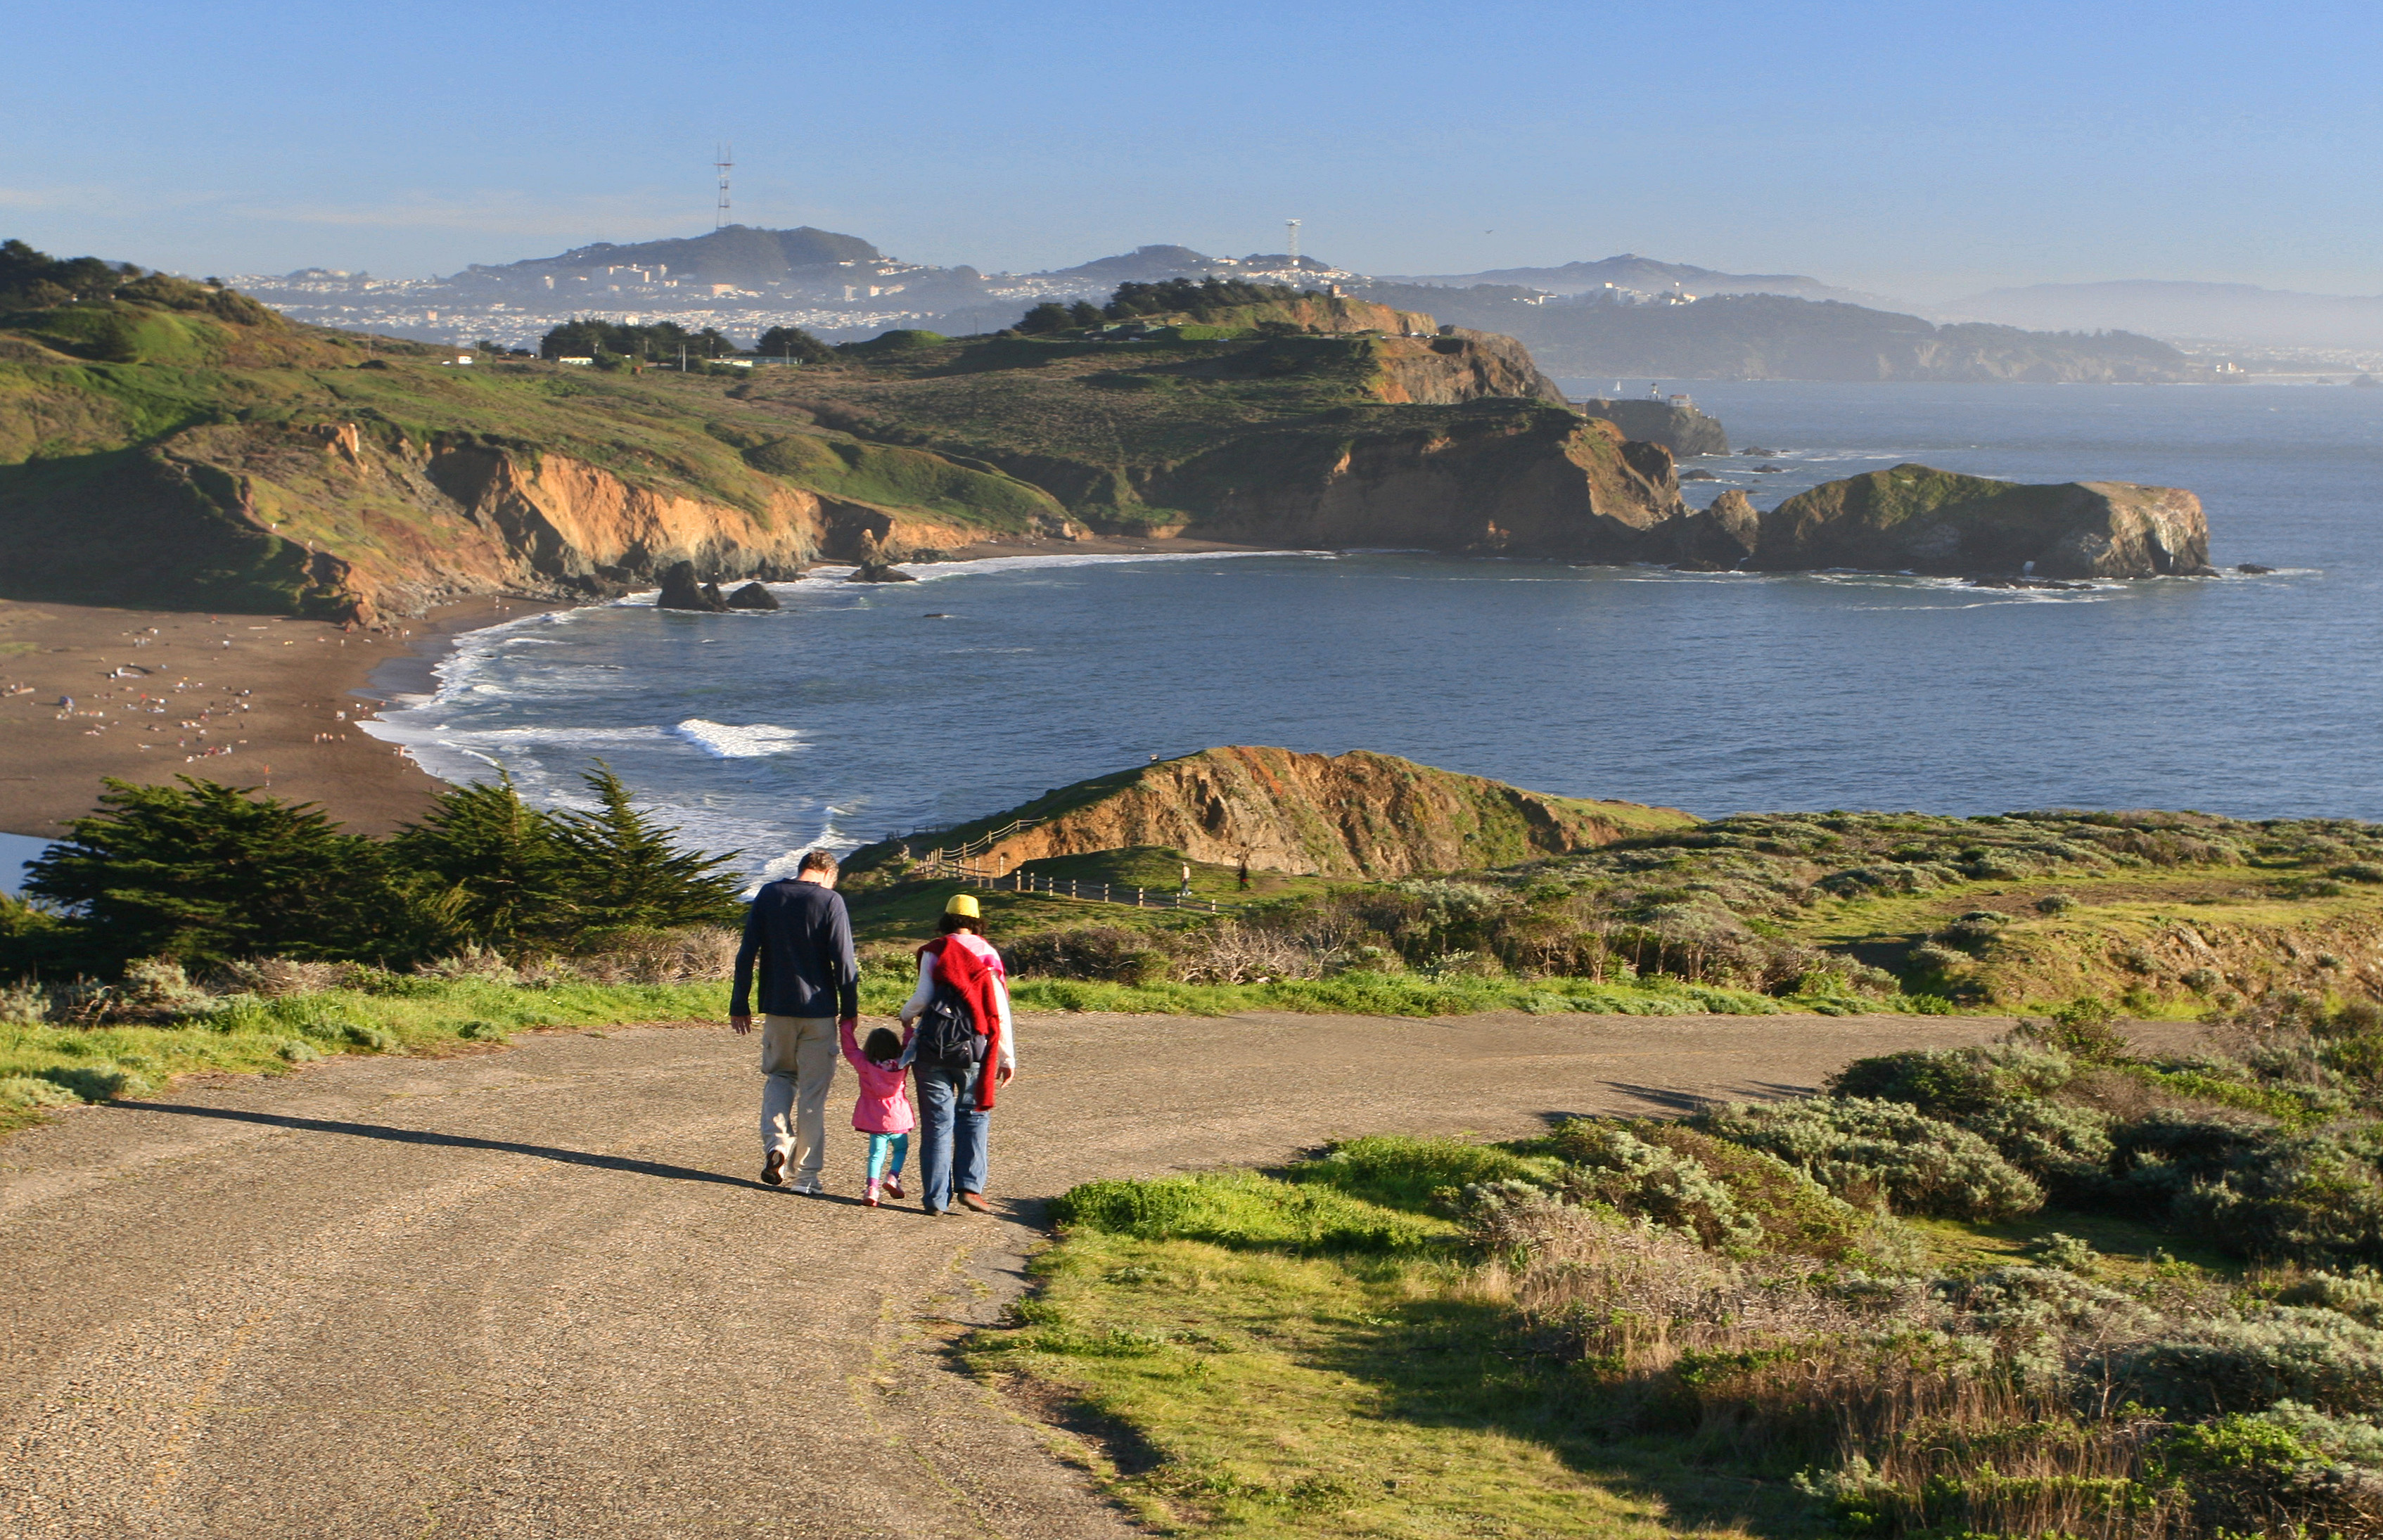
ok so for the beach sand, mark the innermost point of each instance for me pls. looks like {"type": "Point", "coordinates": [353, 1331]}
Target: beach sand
{"type": "Point", "coordinates": [250, 700]}
{"type": "Point", "coordinates": [256, 700]}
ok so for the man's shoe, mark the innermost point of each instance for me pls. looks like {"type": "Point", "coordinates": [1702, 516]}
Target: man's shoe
{"type": "Point", "coordinates": [892, 1188]}
{"type": "Point", "coordinates": [976, 1201]}
{"type": "Point", "coordinates": [773, 1168]}
{"type": "Point", "coordinates": [809, 1186]}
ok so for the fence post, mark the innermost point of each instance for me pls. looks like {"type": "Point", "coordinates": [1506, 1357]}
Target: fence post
{"type": "Point", "coordinates": [1137, 898]}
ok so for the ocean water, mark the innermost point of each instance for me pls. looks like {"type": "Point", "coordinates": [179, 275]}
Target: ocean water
{"type": "Point", "coordinates": [862, 710]}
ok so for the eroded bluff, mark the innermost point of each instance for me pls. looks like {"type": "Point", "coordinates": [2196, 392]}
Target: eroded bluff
{"type": "Point", "coordinates": [1358, 814]}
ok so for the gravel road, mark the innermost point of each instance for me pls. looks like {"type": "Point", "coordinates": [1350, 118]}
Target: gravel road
{"type": "Point", "coordinates": [537, 1292]}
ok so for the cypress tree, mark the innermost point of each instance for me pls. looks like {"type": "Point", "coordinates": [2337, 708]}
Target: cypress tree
{"type": "Point", "coordinates": [619, 868]}
{"type": "Point", "coordinates": [205, 873]}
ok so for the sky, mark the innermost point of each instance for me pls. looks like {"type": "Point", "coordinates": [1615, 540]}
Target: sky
{"type": "Point", "coordinates": [1916, 150]}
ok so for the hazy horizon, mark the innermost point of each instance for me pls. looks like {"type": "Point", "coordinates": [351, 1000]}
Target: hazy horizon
{"type": "Point", "coordinates": [1922, 157]}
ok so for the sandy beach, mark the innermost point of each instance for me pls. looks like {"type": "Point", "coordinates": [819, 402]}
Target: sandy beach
{"type": "Point", "coordinates": [258, 701]}
{"type": "Point", "coordinates": [250, 700]}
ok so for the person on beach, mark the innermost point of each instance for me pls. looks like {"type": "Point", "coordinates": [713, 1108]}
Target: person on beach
{"type": "Point", "coordinates": [884, 1110]}
{"type": "Point", "coordinates": [799, 932]}
{"type": "Point", "coordinates": [961, 1053]}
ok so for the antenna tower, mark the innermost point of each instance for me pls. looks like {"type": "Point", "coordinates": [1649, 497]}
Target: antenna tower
{"type": "Point", "coordinates": [1292, 225]}
{"type": "Point", "coordinates": [719, 219]}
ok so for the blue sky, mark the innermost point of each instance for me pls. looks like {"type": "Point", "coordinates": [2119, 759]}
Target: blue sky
{"type": "Point", "coordinates": [1916, 149]}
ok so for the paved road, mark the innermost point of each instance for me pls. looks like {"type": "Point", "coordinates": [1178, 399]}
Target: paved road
{"type": "Point", "coordinates": [536, 1293]}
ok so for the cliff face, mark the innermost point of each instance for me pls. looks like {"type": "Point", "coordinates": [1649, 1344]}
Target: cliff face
{"type": "Point", "coordinates": [1458, 365]}
{"type": "Point", "coordinates": [1679, 428]}
{"type": "Point", "coordinates": [1496, 478]}
{"type": "Point", "coordinates": [328, 521]}
{"type": "Point", "coordinates": [1921, 519]}
{"type": "Point", "coordinates": [1352, 815]}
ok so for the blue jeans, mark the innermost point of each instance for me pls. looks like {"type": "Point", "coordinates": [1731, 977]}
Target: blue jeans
{"type": "Point", "coordinates": [952, 1133]}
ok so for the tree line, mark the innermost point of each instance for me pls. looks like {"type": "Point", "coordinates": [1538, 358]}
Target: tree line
{"type": "Point", "coordinates": [1202, 300]}
{"type": "Point", "coordinates": [204, 873]}
{"type": "Point", "coordinates": [661, 340]}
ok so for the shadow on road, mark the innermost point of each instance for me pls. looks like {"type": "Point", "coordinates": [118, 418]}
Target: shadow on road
{"type": "Point", "coordinates": [454, 1141]}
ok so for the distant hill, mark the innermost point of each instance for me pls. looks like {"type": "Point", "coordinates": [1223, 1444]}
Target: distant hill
{"type": "Point", "coordinates": [738, 254]}
{"type": "Point", "coordinates": [2217, 312]}
{"type": "Point", "coordinates": [1643, 275]}
{"type": "Point", "coordinates": [1779, 337]}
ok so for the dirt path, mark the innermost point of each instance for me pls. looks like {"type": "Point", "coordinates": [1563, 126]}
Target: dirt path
{"type": "Point", "coordinates": [536, 1293]}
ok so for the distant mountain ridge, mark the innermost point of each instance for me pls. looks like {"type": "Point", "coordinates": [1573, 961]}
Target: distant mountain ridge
{"type": "Point", "coordinates": [2218, 311]}
{"type": "Point", "coordinates": [1643, 275]}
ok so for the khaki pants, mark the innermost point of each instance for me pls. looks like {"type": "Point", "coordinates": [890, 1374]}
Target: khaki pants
{"type": "Point", "coordinates": [798, 1055]}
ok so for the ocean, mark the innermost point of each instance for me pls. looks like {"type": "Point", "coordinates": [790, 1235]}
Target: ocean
{"type": "Point", "coordinates": [859, 711]}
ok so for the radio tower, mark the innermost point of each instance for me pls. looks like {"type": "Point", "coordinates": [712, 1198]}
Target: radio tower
{"type": "Point", "coordinates": [1292, 225]}
{"type": "Point", "coordinates": [719, 219]}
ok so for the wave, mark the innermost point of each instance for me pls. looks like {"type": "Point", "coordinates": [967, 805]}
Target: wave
{"type": "Point", "coordinates": [723, 741]}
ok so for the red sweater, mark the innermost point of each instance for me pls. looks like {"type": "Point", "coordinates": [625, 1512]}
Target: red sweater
{"type": "Point", "coordinates": [970, 978]}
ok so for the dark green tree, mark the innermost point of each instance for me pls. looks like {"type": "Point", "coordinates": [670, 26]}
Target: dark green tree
{"type": "Point", "coordinates": [1050, 315]}
{"type": "Point", "coordinates": [795, 343]}
{"type": "Point", "coordinates": [618, 867]}
{"type": "Point", "coordinates": [497, 860]}
{"type": "Point", "coordinates": [1084, 312]}
{"type": "Point", "coordinates": [205, 873]}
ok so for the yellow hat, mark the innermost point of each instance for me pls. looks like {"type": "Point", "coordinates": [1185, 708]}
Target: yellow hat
{"type": "Point", "coordinates": [964, 904]}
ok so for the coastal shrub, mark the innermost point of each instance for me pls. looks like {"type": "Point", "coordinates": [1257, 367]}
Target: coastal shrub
{"type": "Point", "coordinates": [2055, 903]}
{"type": "Point", "coordinates": [1954, 1083]}
{"type": "Point", "coordinates": [1101, 952]}
{"type": "Point", "coordinates": [1731, 1198]}
{"type": "Point", "coordinates": [1882, 1152]}
{"type": "Point", "coordinates": [2085, 1029]}
{"type": "Point", "coordinates": [1612, 1166]}
{"type": "Point", "coordinates": [2357, 1293]}
{"type": "Point", "coordinates": [2217, 1364]}
{"type": "Point", "coordinates": [2314, 1197]}
{"type": "Point", "coordinates": [23, 1001]}
{"type": "Point", "coordinates": [2066, 1149]}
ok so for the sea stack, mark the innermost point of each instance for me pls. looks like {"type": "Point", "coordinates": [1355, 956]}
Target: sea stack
{"type": "Point", "coordinates": [753, 595]}
{"type": "Point", "coordinates": [681, 591]}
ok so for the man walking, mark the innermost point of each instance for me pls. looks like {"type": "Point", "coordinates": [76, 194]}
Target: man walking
{"type": "Point", "coordinates": [799, 933]}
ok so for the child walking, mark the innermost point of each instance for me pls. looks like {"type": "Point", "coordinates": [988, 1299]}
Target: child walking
{"type": "Point", "coordinates": [884, 1110]}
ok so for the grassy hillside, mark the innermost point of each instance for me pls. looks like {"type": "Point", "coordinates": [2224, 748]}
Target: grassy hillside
{"type": "Point", "coordinates": [228, 458]}
{"type": "Point", "coordinates": [2152, 914]}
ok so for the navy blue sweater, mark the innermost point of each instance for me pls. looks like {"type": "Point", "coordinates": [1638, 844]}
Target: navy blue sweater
{"type": "Point", "coordinates": [803, 939]}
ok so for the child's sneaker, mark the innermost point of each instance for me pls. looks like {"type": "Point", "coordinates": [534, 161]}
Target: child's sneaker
{"type": "Point", "coordinates": [869, 1198]}
{"type": "Point", "coordinates": [894, 1184]}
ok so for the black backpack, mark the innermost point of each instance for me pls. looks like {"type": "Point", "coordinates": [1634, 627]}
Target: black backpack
{"type": "Point", "coordinates": [947, 1035]}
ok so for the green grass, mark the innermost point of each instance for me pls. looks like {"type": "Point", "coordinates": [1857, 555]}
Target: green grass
{"type": "Point", "coordinates": [1233, 1354]}
{"type": "Point", "coordinates": [42, 1066]}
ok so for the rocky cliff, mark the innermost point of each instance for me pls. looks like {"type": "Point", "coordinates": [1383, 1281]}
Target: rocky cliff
{"type": "Point", "coordinates": [1678, 426]}
{"type": "Point", "coordinates": [1358, 814]}
{"type": "Point", "coordinates": [1494, 478]}
{"type": "Point", "coordinates": [1913, 518]}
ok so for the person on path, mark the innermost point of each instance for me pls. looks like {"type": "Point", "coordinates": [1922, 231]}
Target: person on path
{"type": "Point", "coordinates": [799, 932]}
{"type": "Point", "coordinates": [963, 975]}
{"type": "Point", "coordinates": [884, 1110]}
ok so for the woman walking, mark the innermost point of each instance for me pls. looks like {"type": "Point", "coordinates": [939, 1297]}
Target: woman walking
{"type": "Point", "coordinates": [963, 1054]}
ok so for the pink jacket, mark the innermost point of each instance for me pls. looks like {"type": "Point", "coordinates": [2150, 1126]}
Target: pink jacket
{"type": "Point", "coordinates": [884, 1106]}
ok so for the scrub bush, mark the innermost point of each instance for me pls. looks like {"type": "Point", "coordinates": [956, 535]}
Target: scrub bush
{"type": "Point", "coordinates": [1883, 1152]}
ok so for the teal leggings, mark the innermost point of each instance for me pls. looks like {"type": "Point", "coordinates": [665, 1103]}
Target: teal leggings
{"type": "Point", "coordinates": [886, 1153]}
